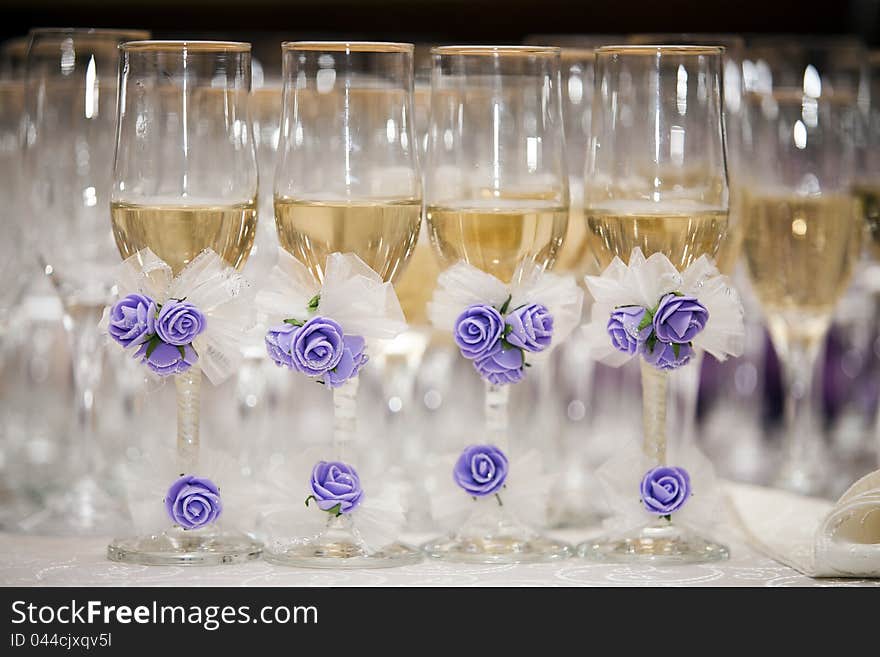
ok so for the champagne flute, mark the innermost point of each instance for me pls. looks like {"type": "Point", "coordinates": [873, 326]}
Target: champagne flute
{"type": "Point", "coordinates": [185, 180]}
{"type": "Point", "coordinates": [70, 115]}
{"type": "Point", "coordinates": [656, 178]}
{"type": "Point", "coordinates": [802, 230]}
{"type": "Point", "coordinates": [497, 197]}
{"type": "Point", "coordinates": [347, 180]}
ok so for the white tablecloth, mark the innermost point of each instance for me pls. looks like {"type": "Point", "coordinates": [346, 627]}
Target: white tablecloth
{"type": "Point", "coordinates": [47, 561]}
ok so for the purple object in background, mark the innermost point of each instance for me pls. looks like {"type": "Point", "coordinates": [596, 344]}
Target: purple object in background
{"type": "Point", "coordinates": [336, 484]}
{"type": "Point", "coordinates": [481, 470]}
{"type": "Point", "coordinates": [193, 502]}
{"type": "Point", "coordinates": [665, 489]}
{"type": "Point", "coordinates": [531, 327]}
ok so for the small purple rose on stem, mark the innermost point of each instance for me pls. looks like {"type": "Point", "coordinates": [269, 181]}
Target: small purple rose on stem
{"type": "Point", "coordinates": [167, 359]}
{"type": "Point", "coordinates": [353, 359]}
{"type": "Point", "coordinates": [477, 330]}
{"type": "Point", "coordinates": [193, 502]}
{"type": "Point", "coordinates": [132, 320]}
{"type": "Point", "coordinates": [666, 356]}
{"type": "Point", "coordinates": [626, 329]}
{"type": "Point", "coordinates": [665, 489]}
{"type": "Point", "coordinates": [279, 344]}
{"type": "Point", "coordinates": [503, 364]}
{"type": "Point", "coordinates": [336, 487]}
{"type": "Point", "coordinates": [481, 470]}
{"type": "Point", "coordinates": [530, 327]}
{"type": "Point", "coordinates": [678, 319]}
{"type": "Point", "coordinates": [179, 322]}
{"type": "Point", "coordinates": [317, 346]}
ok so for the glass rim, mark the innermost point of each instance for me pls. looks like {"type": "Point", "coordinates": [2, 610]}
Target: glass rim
{"type": "Point", "coordinates": [90, 31]}
{"type": "Point", "coordinates": [348, 46]}
{"type": "Point", "coordinates": [180, 46]}
{"type": "Point", "coordinates": [577, 53]}
{"type": "Point", "coordinates": [497, 51]}
{"type": "Point", "coordinates": [670, 49]}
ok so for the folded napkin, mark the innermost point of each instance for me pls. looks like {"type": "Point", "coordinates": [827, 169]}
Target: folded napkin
{"type": "Point", "coordinates": [814, 536]}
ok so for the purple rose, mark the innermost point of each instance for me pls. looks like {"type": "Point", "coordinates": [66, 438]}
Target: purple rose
{"type": "Point", "coordinates": [679, 318]}
{"type": "Point", "coordinates": [665, 489]}
{"type": "Point", "coordinates": [317, 346]}
{"type": "Point", "coordinates": [502, 365]}
{"type": "Point", "coordinates": [623, 327]}
{"type": "Point", "coordinates": [353, 359]}
{"type": "Point", "coordinates": [480, 470]}
{"type": "Point", "coordinates": [132, 320]}
{"type": "Point", "coordinates": [663, 355]}
{"type": "Point", "coordinates": [179, 322]}
{"type": "Point", "coordinates": [279, 344]}
{"type": "Point", "coordinates": [335, 483]}
{"type": "Point", "coordinates": [531, 327]}
{"type": "Point", "coordinates": [193, 502]}
{"type": "Point", "coordinates": [477, 330]}
{"type": "Point", "coordinates": [166, 359]}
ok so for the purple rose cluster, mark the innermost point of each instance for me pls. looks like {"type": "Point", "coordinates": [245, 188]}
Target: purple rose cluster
{"type": "Point", "coordinates": [163, 333]}
{"type": "Point", "coordinates": [318, 348]}
{"type": "Point", "coordinates": [497, 341]}
{"type": "Point", "coordinates": [663, 335]}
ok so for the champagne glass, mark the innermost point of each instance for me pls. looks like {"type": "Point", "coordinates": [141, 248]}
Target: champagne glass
{"type": "Point", "coordinates": [656, 178]}
{"type": "Point", "coordinates": [497, 197]}
{"type": "Point", "coordinates": [867, 185]}
{"type": "Point", "coordinates": [347, 180]}
{"type": "Point", "coordinates": [70, 117]}
{"type": "Point", "coordinates": [802, 229]}
{"type": "Point", "coordinates": [185, 180]}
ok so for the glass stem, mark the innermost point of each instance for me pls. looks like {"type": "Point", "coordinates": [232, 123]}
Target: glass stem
{"type": "Point", "coordinates": [87, 355]}
{"type": "Point", "coordinates": [802, 446]}
{"type": "Point", "coordinates": [344, 417]}
{"type": "Point", "coordinates": [188, 385]}
{"type": "Point", "coordinates": [496, 416]}
{"type": "Point", "coordinates": [654, 388]}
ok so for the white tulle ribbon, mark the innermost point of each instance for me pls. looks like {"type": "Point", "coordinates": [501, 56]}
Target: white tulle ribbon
{"type": "Point", "coordinates": [352, 294]}
{"type": "Point", "coordinates": [285, 520]}
{"type": "Point", "coordinates": [211, 285]}
{"type": "Point", "coordinates": [463, 285]}
{"type": "Point", "coordinates": [644, 281]}
{"type": "Point", "coordinates": [621, 475]}
{"type": "Point", "coordinates": [526, 492]}
{"type": "Point", "coordinates": [146, 482]}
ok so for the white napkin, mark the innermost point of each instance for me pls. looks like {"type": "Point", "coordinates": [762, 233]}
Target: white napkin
{"type": "Point", "coordinates": [813, 536]}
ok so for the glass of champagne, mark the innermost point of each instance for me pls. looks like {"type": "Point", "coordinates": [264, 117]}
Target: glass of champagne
{"type": "Point", "coordinates": [802, 228]}
{"type": "Point", "coordinates": [185, 180]}
{"type": "Point", "coordinates": [70, 116]}
{"type": "Point", "coordinates": [656, 178]}
{"type": "Point", "coordinates": [347, 181]}
{"type": "Point", "coordinates": [496, 193]}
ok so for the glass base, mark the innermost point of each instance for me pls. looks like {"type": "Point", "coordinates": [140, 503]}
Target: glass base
{"type": "Point", "coordinates": [338, 546]}
{"type": "Point", "coordinates": [85, 508]}
{"type": "Point", "coordinates": [658, 543]}
{"type": "Point", "coordinates": [494, 535]}
{"type": "Point", "coordinates": [210, 546]}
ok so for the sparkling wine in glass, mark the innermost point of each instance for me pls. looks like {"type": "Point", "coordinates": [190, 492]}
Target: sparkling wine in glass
{"type": "Point", "coordinates": [656, 178]}
{"type": "Point", "coordinates": [71, 78]}
{"type": "Point", "coordinates": [496, 194]}
{"type": "Point", "coordinates": [347, 180]}
{"type": "Point", "coordinates": [185, 180]}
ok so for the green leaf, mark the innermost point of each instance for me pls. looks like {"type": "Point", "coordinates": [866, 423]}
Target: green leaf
{"type": "Point", "coordinates": [508, 329]}
{"type": "Point", "coordinates": [336, 510]}
{"type": "Point", "coordinates": [667, 517]}
{"type": "Point", "coordinates": [498, 497]}
{"type": "Point", "coordinates": [527, 364]}
{"type": "Point", "coordinates": [676, 348]}
{"type": "Point", "coordinates": [293, 322]}
{"type": "Point", "coordinates": [310, 498]}
{"type": "Point", "coordinates": [650, 342]}
{"type": "Point", "coordinates": [314, 301]}
{"type": "Point", "coordinates": [506, 305]}
{"type": "Point", "coordinates": [182, 351]}
{"type": "Point", "coordinates": [678, 294]}
{"type": "Point", "coordinates": [154, 342]}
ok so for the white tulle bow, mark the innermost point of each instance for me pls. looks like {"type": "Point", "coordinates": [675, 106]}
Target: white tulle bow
{"type": "Point", "coordinates": [463, 285]}
{"type": "Point", "coordinates": [644, 282]}
{"type": "Point", "coordinates": [352, 294]}
{"type": "Point", "coordinates": [211, 285]}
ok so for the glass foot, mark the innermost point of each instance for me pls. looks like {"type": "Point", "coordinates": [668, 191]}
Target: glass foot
{"type": "Point", "coordinates": [178, 547]}
{"type": "Point", "coordinates": [657, 543]}
{"type": "Point", "coordinates": [85, 508]}
{"type": "Point", "coordinates": [339, 545]}
{"type": "Point", "coordinates": [494, 535]}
